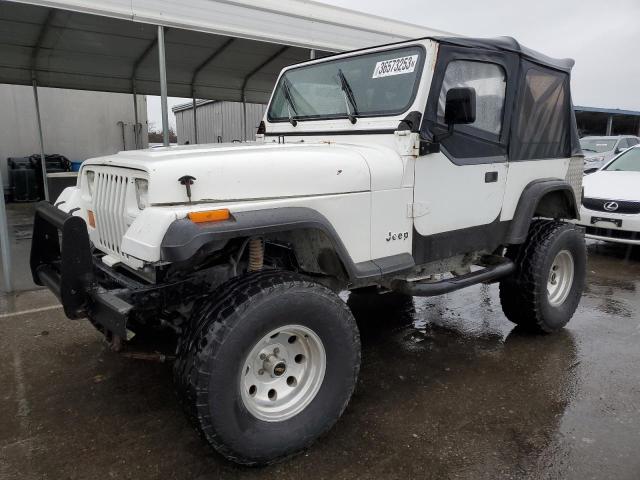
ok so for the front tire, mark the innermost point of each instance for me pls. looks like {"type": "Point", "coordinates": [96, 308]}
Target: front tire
{"type": "Point", "coordinates": [268, 366]}
{"type": "Point", "coordinates": [545, 289]}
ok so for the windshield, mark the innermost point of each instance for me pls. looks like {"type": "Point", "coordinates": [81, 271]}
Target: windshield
{"type": "Point", "coordinates": [598, 145]}
{"type": "Point", "coordinates": [372, 84]}
{"type": "Point", "coordinates": [629, 161]}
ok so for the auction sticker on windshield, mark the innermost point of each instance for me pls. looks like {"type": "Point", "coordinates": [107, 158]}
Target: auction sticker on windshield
{"type": "Point", "coordinates": [395, 66]}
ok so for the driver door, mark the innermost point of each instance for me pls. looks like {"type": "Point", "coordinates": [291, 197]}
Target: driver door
{"type": "Point", "coordinates": [459, 191]}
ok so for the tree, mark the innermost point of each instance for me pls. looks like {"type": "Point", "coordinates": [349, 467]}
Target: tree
{"type": "Point", "coordinates": [155, 134]}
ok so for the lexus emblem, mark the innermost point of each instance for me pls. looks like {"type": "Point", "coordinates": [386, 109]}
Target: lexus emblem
{"type": "Point", "coordinates": [611, 206]}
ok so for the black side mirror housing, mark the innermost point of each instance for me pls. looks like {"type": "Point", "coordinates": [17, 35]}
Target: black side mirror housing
{"type": "Point", "coordinates": [460, 106]}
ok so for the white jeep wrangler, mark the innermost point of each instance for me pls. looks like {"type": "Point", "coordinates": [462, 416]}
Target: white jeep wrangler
{"type": "Point", "coordinates": [419, 168]}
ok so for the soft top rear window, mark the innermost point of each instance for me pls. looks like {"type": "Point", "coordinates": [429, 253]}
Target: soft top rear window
{"type": "Point", "coordinates": [382, 83]}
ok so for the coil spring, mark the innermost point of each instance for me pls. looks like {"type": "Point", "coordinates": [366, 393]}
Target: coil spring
{"type": "Point", "coordinates": [256, 254]}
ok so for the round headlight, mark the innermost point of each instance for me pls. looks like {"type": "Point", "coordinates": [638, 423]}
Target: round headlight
{"type": "Point", "coordinates": [142, 193]}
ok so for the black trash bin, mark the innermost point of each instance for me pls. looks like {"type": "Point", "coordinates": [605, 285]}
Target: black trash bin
{"type": "Point", "coordinates": [55, 164]}
{"type": "Point", "coordinates": [25, 175]}
{"type": "Point", "coordinates": [23, 180]}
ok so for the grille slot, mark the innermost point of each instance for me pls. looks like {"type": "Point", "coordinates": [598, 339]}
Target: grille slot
{"type": "Point", "coordinates": [611, 233]}
{"type": "Point", "coordinates": [624, 206]}
{"type": "Point", "coordinates": [110, 203]}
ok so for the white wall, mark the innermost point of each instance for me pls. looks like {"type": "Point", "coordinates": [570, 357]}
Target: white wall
{"type": "Point", "coordinates": [75, 123]}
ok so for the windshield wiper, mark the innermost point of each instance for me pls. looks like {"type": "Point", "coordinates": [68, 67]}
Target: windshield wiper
{"type": "Point", "coordinates": [348, 97]}
{"type": "Point", "coordinates": [290, 103]}
{"type": "Point", "coordinates": [589, 149]}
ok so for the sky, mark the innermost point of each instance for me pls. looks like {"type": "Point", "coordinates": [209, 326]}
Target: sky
{"type": "Point", "coordinates": [154, 111]}
{"type": "Point", "coordinates": [602, 37]}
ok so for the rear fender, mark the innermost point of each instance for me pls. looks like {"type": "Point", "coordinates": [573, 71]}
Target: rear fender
{"type": "Point", "coordinates": [548, 198]}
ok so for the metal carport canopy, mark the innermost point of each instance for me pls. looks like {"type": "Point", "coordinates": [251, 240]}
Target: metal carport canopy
{"type": "Point", "coordinates": [214, 49]}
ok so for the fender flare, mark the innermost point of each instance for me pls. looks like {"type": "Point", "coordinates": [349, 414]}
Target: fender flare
{"type": "Point", "coordinates": [530, 198]}
{"type": "Point", "coordinates": [184, 238]}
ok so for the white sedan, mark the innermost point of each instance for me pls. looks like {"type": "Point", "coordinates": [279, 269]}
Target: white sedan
{"type": "Point", "coordinates": [611, 200]}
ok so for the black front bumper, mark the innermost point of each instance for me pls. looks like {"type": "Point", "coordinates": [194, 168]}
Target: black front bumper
{"type": "Point", "coordinates": [62, 260]}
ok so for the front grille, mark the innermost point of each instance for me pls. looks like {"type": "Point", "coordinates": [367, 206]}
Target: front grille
{"type": "Point", "coordinates": [624, 206]}
{"type": "Point", "coordinates": [110, 196]}
{"type": "Point", "coordinates": [611, 233]}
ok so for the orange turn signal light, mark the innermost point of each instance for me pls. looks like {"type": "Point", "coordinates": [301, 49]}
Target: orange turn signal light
{"type": "Point", "coordinates": [92, 219]}
{"type": "Point", "coordinates": [209, 216]}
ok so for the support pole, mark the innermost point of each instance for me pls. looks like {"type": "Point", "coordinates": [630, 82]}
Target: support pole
{"type": "Point", "coordinates": [244, 118]}
{"type": "Point", "coordinates": [163, 86]}
{"type": "Point", "coordinates": [195, 120]}
{"type": "Point", "coordinates": [609, 125]}
{"type": "Point", "coordinates": [136, 133]}
{"type": "Point", "coordinates": [5, 245]}
{"type": "Point", "coordinates": [40, 137]}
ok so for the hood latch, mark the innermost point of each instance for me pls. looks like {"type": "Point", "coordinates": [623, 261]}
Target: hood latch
{"type": "Point", "coordinates": [187, 181]}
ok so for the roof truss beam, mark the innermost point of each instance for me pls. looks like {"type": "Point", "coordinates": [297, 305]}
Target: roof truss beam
{"type": "Point", "coordinates": [216, 53]}
{"type": "Point", "coordinates": [260, 67]}
{"type": "Point", "coordinates": [41, 36]}
{"type": "Point", "coordinates": [144, 55]}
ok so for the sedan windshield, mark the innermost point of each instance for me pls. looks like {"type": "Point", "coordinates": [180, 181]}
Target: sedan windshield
{"type": "Point", "coordinates": [372, 84]}
{"type": "Point", "coordinates": [629, 161]}
{"type": "Point", "coordinates": [598, 145]}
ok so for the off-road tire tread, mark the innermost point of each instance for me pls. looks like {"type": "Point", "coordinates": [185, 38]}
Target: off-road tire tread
{"type": "Point", "coordinates": [213, 319]}
{"type": "Point", "coordinates": [519, 292]}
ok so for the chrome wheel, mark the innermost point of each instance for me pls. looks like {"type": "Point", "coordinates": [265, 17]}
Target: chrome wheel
{"type": "Point", "coordinates": [283, 373]}
{"type": "Point", "coordinates": [560, 278]}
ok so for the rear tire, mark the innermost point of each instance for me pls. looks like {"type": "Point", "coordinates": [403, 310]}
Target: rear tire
{"type": "Point", "coordinates": [268, 366]}
{"type": "Point", "coordinates": [544, 291]}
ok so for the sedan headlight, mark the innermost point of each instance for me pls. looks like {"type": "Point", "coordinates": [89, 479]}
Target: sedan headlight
{"type": "Point", "coordinates": [594, 159]}
{"type": "Point", "coordinates": [91, 176]}
{"type": "Point", "coordinates": [142, 193]}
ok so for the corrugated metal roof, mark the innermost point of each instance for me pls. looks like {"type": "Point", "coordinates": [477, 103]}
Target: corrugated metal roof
{"type": "Point", "coordinates": [610, 111]}
{"type": "Point", "coordinates": [213, 47]}
{"type": "Point", "coordinates": [189, 105]}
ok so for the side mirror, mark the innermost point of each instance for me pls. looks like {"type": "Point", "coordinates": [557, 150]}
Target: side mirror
{"type": "Point", "coordinates": [460, 106]}
{"type": "Point", "coordinates": [619, 150]}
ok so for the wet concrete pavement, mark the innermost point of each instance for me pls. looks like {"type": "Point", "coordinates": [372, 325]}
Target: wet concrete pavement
{"type": "Point", "coordinates": [20, 223]}
{"type": "Point", "coordinates": [448, 389]}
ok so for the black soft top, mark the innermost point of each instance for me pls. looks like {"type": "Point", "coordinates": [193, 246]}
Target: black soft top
{"type": "Point", "coordinates": [510, 44]}
{"type": "Point", "coordinates": [538, 120]}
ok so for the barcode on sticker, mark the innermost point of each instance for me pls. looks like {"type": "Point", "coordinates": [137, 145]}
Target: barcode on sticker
{"type": "Point", "coordinates": [395, 66]}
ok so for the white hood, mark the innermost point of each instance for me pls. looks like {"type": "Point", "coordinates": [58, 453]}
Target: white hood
{"type": "Point", "coordinates": [228, 172]}
{"type": "Point", "coordinates": [612, 185]}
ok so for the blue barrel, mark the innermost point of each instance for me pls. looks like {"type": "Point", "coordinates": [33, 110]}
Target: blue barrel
{"type": "Point", "coordinates": [75, 166]}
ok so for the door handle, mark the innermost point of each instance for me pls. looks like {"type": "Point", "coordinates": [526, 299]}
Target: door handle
{"type": "Point", "coordinates": [490, 177]}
